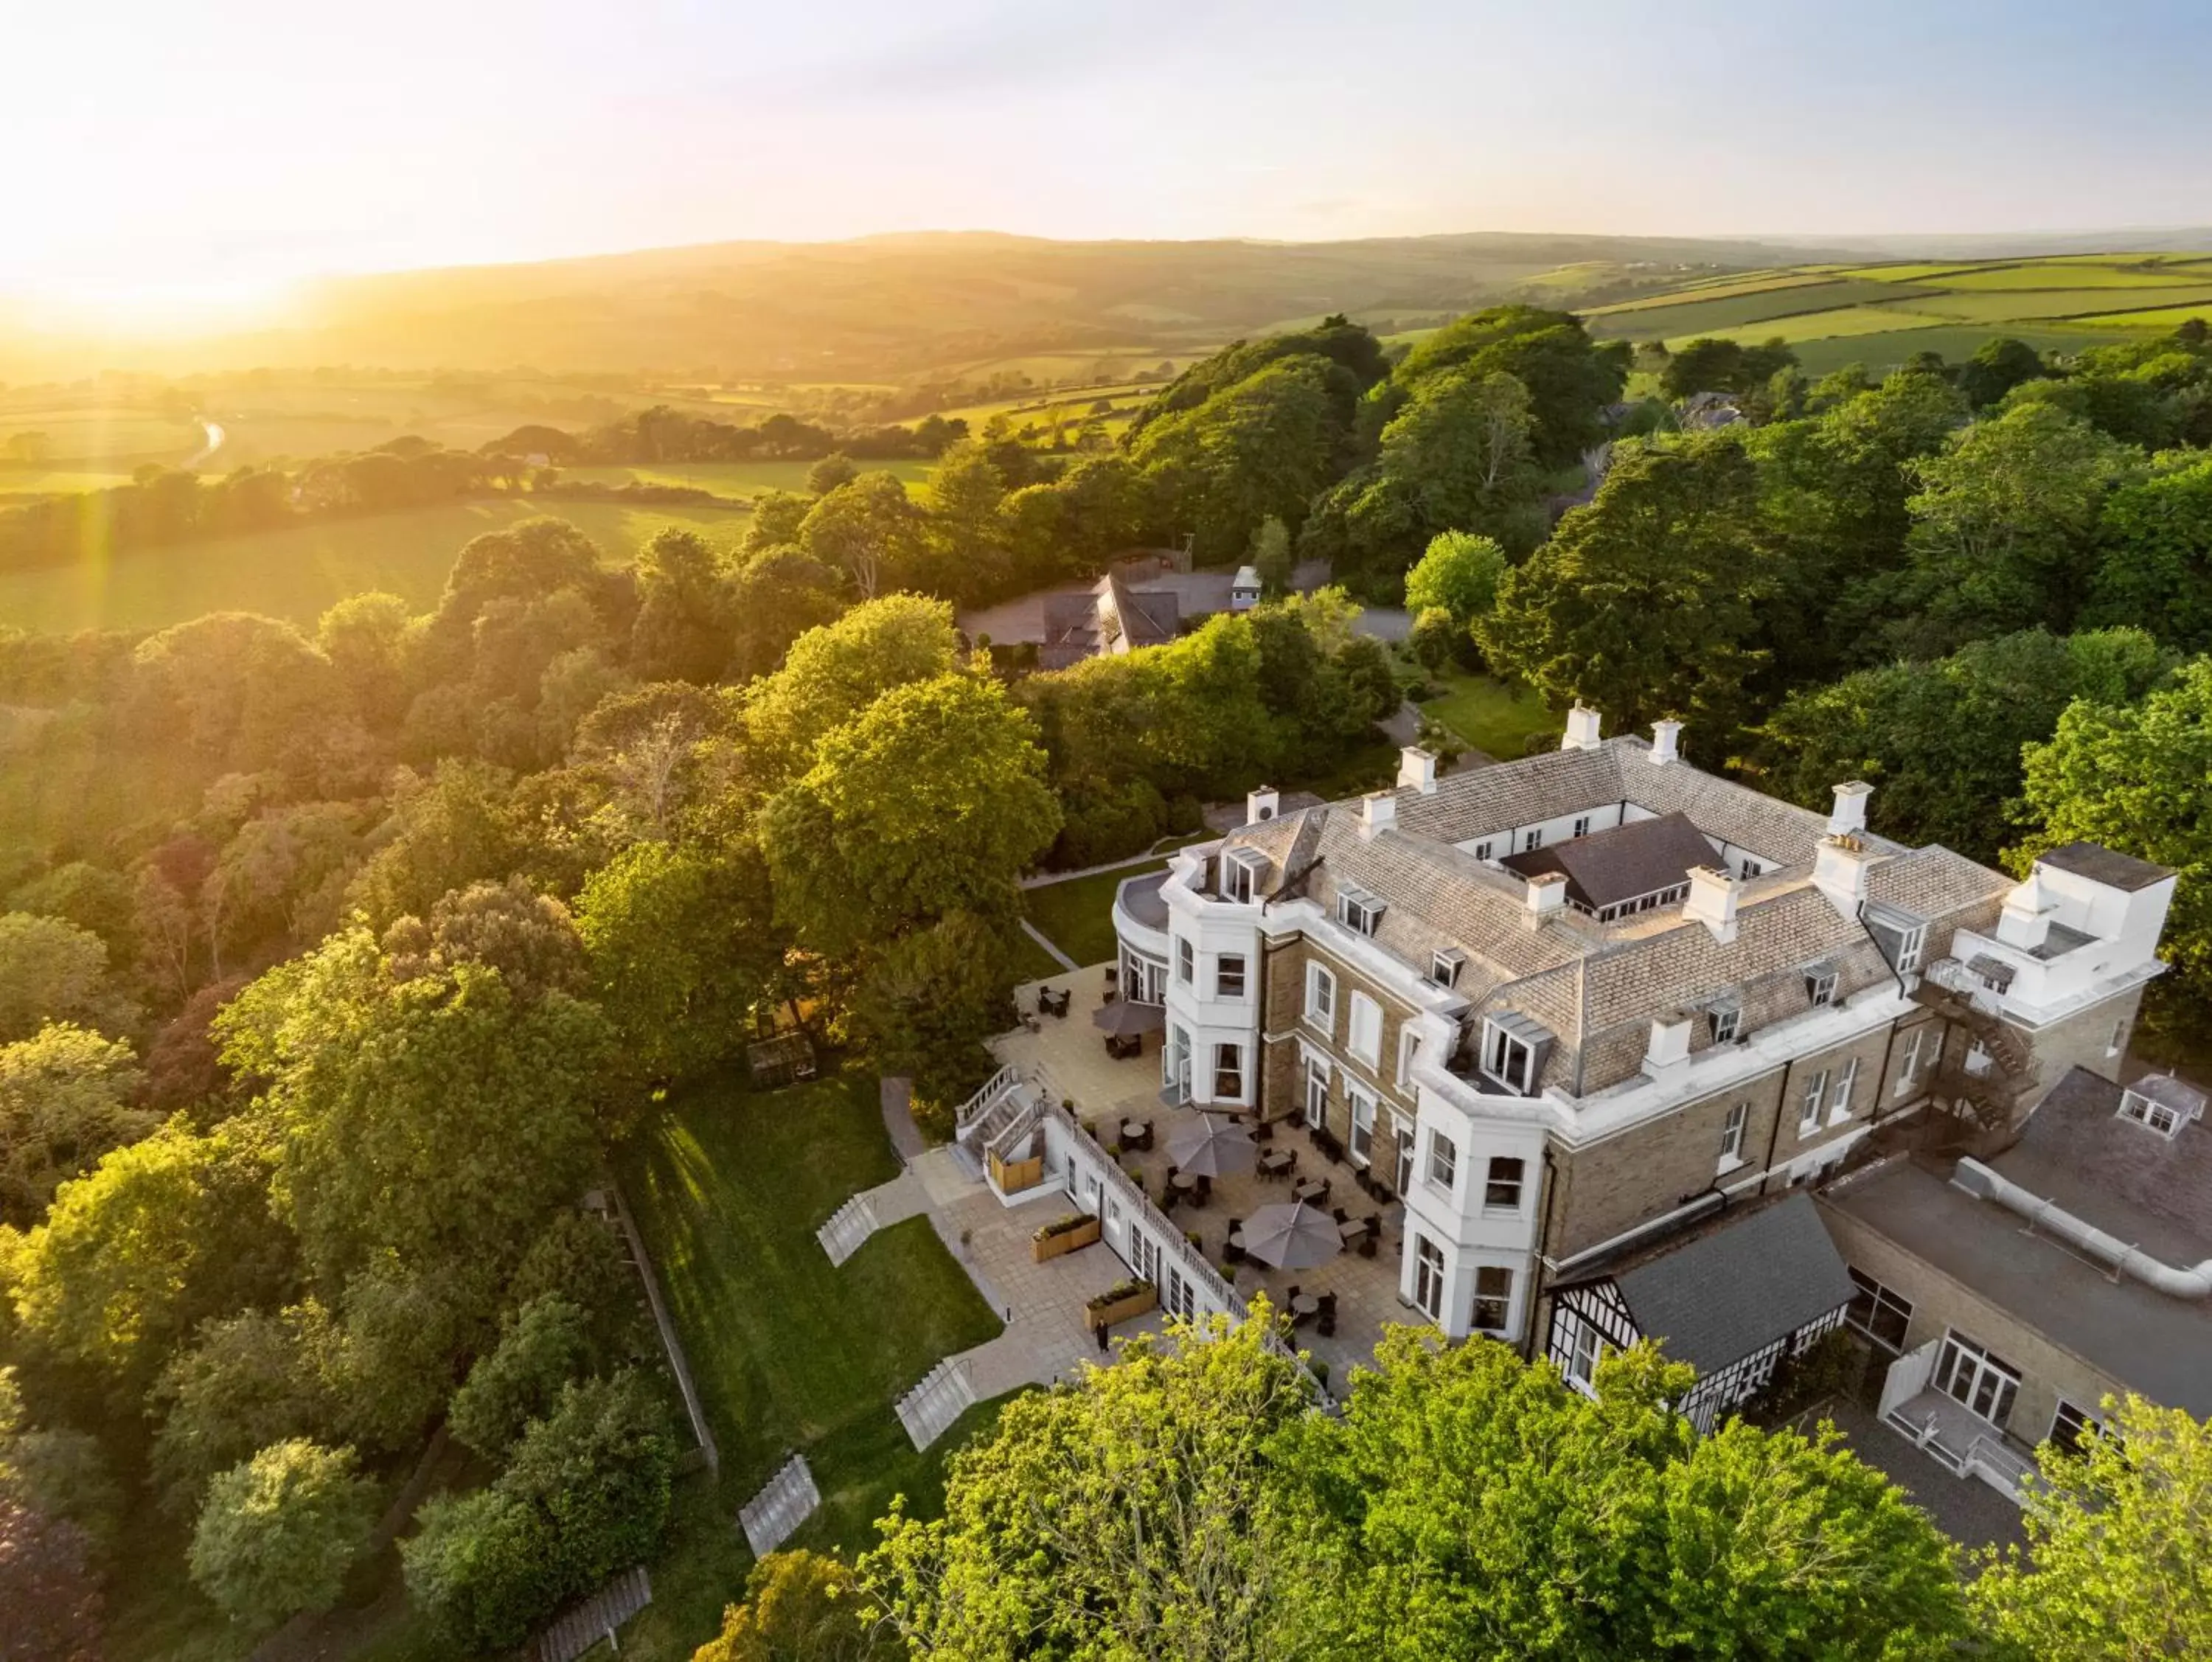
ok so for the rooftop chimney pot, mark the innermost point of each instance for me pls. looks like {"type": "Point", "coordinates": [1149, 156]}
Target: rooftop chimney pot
{"type": "Point", "coordinates": [1378, 811]}
{"type": "Point", "coordinates": [1666, 739]}
{"type": "Point", "coordinates": [1584, 725]}
{"type": "Point", "coordinates": [1548, 893]}
{"type": "Point", "coordinates": [1839, 871]}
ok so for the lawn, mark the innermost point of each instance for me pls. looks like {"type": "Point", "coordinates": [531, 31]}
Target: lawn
{"type": "Point", "coordinates": [298, 572]}
{"type": "Point", "coordinates": [728, 1186]}
{"type": "Point", "coordinates": [1077, 915]}
{"type": "Point", "coordinates": [1496, 716]}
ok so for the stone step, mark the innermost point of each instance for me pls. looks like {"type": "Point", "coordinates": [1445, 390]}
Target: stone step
{"type": "Point", "coordinates": [785, 1502]}
{"type": "Point", "coordinates": [943, 1394]}
{"type": "Point", "coordinates": [848, 1227]}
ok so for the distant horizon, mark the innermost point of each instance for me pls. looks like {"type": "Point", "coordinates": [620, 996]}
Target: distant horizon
{"type": "Point", "coordinates": [184, 164]}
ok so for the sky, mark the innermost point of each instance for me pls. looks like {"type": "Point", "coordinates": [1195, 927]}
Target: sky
{"type": "Point", "coordinates": [175, 157]}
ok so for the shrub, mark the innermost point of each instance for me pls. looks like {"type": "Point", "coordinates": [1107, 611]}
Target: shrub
{"type": "Point", "coordinates": [278, 1531]}
{"type": "Point", "coordinates": [545, 1344]}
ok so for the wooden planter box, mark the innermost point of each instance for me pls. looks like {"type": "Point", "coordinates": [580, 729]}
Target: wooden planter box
{"type": "Point", "coordinates": [1058, 1242]}
{"type": "Point", "coordinates": [1106, 1313]}
{"type": "Point", "coordinates": [1012, 1176]}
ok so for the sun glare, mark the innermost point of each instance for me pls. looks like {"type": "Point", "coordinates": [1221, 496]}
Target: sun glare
{"type": "Point", "coordinates": [161, 307]}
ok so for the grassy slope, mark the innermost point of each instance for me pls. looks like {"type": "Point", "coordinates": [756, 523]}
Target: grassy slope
{"type": "Point", "coordinates": [729, 1187]}
{"type": "Point", "coordinates": [1077, 915]}
{"type": "Point", "coordinates": [747, 479]}
{"type": "Point", "coordinates": [298, 572]}
{"type": "Point", "coordinates": [1492, 714]}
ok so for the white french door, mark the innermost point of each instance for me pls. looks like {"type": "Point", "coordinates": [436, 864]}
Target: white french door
{"type": "Point", "coordinates": [1969, 1374]}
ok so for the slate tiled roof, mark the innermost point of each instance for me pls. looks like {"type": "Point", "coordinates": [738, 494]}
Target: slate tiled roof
{"type": "Point", "coordinates": [1735, 1288]}
{"type": "Point", "coordinates": [1597, 986]}
{"type": "Point", "coordinates": [2133, 1183]}
{"type": "Point", "coordinates": [1625, 863]}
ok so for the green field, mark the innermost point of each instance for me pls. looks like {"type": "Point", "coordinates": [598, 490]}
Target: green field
{"type": "Point", "coordinates": [298, 572]}
{"type": "Point", "coordinates": [1880, 314]}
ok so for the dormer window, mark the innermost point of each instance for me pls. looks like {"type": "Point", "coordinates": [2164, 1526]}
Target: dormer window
{"type": "Point", "coordinates": [1241, 874]}
{"type": "Point", "coordinates": [1819, 984]}
{"type": "Point", "coordinates": [2162, 1103]}
{"type": "Point", "coordinates": [1902, 937]}
{"type": "Point", "coordinates": [1725, 1021]}
{"type": "Point", "coordinates": [1513, 1052]}
{"type": "Point", "coordinates": [1356, 908]}
{"type": "Point", "coordinates": [1444, 966]}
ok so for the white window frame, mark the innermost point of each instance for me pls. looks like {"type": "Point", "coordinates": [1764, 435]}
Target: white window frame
{"type": "Point", "coordinates": [1221, 963]}
{"type": "Point", "coordinates": [1241, 877]}
{"type": "Point", "coordinates": [1145, 1256]}
{"type": "Point", "coordinates": [2082, 1419]}
{"type": "Point", "coordinates": [1820, 989]}
{"type": "Point", "coordinates": [1726, 1023]}
{"type": "Point", "coordinates": [1321, 998]}
{"type": "Point", "coordinates": [1482, 848]}
{"type": "Point", "coordinates": [2154, 1115]}
{"type": "Point", "coordinates": [1502, 1301]}
{"type": "Point", "coordinates": [1409, 1047]}
{"type": "Point", "coordinates": [1582, 825]}
{"type": "Point", "coordinates": [1186, 961]}
{"type": "Point", "coordinates": [1501, 1050]}
{"type": "Point", "coordinates": [1732, 1135]}
{"type": "Point", "coordinates": [1585, 1348]}
{"type": "Point", "coordinates": [1363, 1036]}
{"type": "Point", "coordinates": [1911, 934]}
{"type": "Point", "coordinates": [1445, 965]}
{"type": "Point", "coordinates": [1429, 1277]}
{"type": "Point", "coordinates": [1360, 1144]}
{"type": "Point", "coordinates": [1908, 1073]}
{"type": "Point", "coordinates": [1535, 839]}
{"type": "Point", "coordinates": [1839, 1101]}
{"type": "Point", "coordinates": [1314, 1103]}
{"type": "Point", "coordinates": [1228, 1063]}
{"type": "Point", "coordinates": [1358, 910]}
{"type": "Point", "coordinates": [1491, 1181]}
{"type": "Point", "coordinates": [1441, 1172]}
{"type": "Point", "coordinates": [1401, 1137]}
{"type": "Point", "coordinates": [1810, 1104]}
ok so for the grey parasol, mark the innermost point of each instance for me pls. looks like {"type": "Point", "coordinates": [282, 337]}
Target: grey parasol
{"type": "Point", "coordinates": [1214, 1146]}
{"type": "Point", "coordinates": [1291, 1236]}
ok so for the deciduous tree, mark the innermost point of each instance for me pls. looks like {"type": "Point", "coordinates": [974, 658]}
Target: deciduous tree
{"type": "Point", "coordinates": [278, 1533]}
{"type": "Point", "coordinates": [65, 1099]}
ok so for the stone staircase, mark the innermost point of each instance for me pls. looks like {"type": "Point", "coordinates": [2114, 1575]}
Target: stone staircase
{"type": "Point", "coordinates": [848, 1227]}
{"type": "Point", "coordinates": [943, 1394]}
{"type": "Point", "coordinates": [785, 1502]}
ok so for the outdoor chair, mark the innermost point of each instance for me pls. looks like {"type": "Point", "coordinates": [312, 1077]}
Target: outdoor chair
{"type": "Point", "coordinates": [1325, 1324]}
{"type": "Point", "coordinates": [1341, 1214]}
{"type": "Point", "coordinates": [1232, 1251]}
{"type": "Point", "coordinates": [1264, 1131]}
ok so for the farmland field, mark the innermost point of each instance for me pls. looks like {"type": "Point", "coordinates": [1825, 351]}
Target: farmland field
{"type": "Point", "coordinates": [1880, 314]}
{"type": "Point", "coordinates": [297, 572]}
{"type": "Point", "coordinates": [738, 479]}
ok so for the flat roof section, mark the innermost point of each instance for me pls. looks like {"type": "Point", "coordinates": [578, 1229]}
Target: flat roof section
{"type": "Point", "coordinates": [2102, 865]}
{"type": "Point", "coordinates": [2159, 1346]}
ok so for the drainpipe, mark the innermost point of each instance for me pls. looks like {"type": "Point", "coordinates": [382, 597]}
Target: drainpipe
{"type": "Point", "coordinates": [1774, 1135]}
{"type": "Point", "coordinates": [1543, 1252]}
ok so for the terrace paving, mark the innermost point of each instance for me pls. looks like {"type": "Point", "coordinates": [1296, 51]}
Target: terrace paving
{"type": "Point", "coordinates": [1068, 1054]}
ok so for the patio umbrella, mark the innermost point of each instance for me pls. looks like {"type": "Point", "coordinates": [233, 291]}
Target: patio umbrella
{"type": "Point", "coordinates": [1121, 1019]}
{"type": "Point", "coordinates": [1214, 1146]}
{"type": "Point", "coordinates": [1291, 1236]}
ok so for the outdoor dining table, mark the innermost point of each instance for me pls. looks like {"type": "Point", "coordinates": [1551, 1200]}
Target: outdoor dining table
{"type": "Point", "coordinates": [1278, 1162]}
{"type": "Point", "coordinates": [1132, 1130]}
{"type": "Point", "coordinates": [1353, 1230]}
{"type": "Point", "coordinates": [1304, 1307]}
{"type": "Point", "coordinates": [1313, 1188]}
{"type": "Point", "coordinates": [1185, 1183]}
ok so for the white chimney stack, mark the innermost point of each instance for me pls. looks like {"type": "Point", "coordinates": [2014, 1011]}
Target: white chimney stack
{"type": "Point", "coordinates": [1378, 811]}
{"type": "Point", "coordinates": [1666, 738]}
{"type": "Point", "coordinates": [1583, 729]}
{"type": "Point", "coordinates": [1261, 804]}
{"type": "Point", "coordinates": [1849, 818]}
{"type": "Point", "coordinates": [1839, 872]}
{"type": "Point", "coordinates": [1418, 768]}
{"type": "Point", "coordinates": [1548, 893]}
{"type": "Point", "coordinates": [1713, 896]}
{"type": "Point", "coordinates": [1670, 1042]}
{"type": "Point", "coordinates": [2025, 923]}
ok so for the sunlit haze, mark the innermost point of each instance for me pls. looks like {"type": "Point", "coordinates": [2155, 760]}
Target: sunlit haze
{"type": "Point", "coordinates": [171, 158]}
